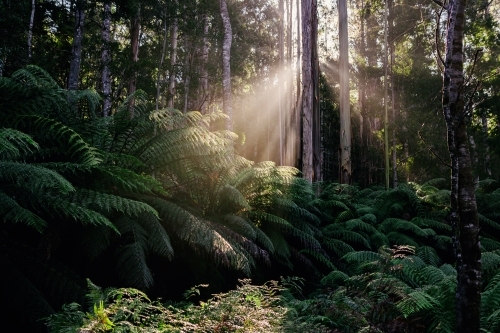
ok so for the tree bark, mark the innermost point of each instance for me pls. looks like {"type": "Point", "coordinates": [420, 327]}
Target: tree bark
{"type": "Point", "coordinates": [30, 30]}
{"type": "Point", "coordinates": [317, 154]}
{"type": "Point", "coordinates": [76, 50]}
{"type": "Point", "coordinates": [463, 214]}
{"type": "Point", "coordinates": [226, 64]}
{"type": "Point", "coordinates": [106, 58]}
{"type": "Point", "coordinates": [345, 114]}
{"type": "Point", "coordinates": [365, 125]}
{"type": "Point", "coordinates": [204, 63]}
{"type": "Point", "coordinates": [281, 68]}
{"type": "Point", "coordinates": [173, 61]}
{"type": "Point", "coordinates": [307, 89]}
{"type": "Point", "coordinates": [135, 29]}
{"type": "Point", "coordinates": [298, 104]}
{"type": "Point", "coordinates": [160, 64]}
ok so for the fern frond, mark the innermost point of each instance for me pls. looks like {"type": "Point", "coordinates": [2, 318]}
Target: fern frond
{"type": "Point", "coordinates": [417, 302]}
{"type": "Point", "coordinates": [397, 238]}
{"type": "Point", "coordinates": [12, 212]}
{"type": "Point", "coordinates": [110, 202]}
{"type": "Point", "coordinates": [14, 144]}
{"type": "Point", "coordinates": [335, 278]}
{"type": "Point", "coordinates": [33, 177]}
{"type": "Point", "coordinates": [428, 255]}
{"type": "Point", "coordinates": [320, 258]}
{"type": "Point", "coordinates": [338, 247]}
{"type": "Point", "coordinates": [394, 224]}
{"type": "Point", "coordinates": [427, 223]}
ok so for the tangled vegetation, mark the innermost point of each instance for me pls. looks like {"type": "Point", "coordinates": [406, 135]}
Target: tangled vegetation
{"type": "Point", "coordinates": [159, 201]}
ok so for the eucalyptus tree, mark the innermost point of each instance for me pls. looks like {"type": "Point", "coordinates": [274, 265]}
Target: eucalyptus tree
{"type": "Point", "coordinates": [226, 63]}
{"type": "Point", "coordinates": [463, 216]}
{"type": "Point", "coordinates": [76, 50]}
{"type": "Point", "coordinates": [345, 114]}
{"type": "Point", "coordinates": [106, 58]}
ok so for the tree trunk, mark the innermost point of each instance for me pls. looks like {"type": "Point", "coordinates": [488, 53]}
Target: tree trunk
{"type": "Point", "coordinates": [281, 68]}
{"type": "Point", "coordinates": [173, 61]}
{"type": "Point", "coordinates": [290, 134]}
{"type": "Point", "coordinates": [30, 30]}
{"type": "Point", "coordinates": [226, 64]}
{"type": "Point", "coordinates": [317, 154]}
{"type": "Point", "coordinates": [463, 214]}
{"type": "Point", "coordinates": [187, 73]}
{"type": "Point", "coordinates": [298, 102]}
{"type": "Point", "coordinates": [484, 122]}
{"type": "Point", "coordinates": [106, 59]}
{"type": "Point", "coordinates": [76, 50]}
{"type": "Point", "coordinates": [160, 64]}
{"type": "Point", "coordinates": [345, 114]}
{"type": "Point", "coordinates": [393, 95]}
{"type": "Point", "coordinates": [307, 89]}
{"type": "Point", "coordinates": [204, 70]}
{"type": "Point", "coordinates": [365, 126]}
{"type": "Point", "coordinates": [135, 29]}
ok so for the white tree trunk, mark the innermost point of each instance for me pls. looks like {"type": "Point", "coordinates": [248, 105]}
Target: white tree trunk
{"type": "Point", "coordinates": [307, 89]}
{"type": "Point", "coordinates": [204, 70]}
{"type": "Point", "coordinates": [345, 113]}
{"type": "Point", "coordinates": [30, 30]}
{"type": "Point", "coordinates": [106, 58]}
{"type": "Point", "coordinates": [173, 61]}
{"type": "Point", "coordinates": [226, 64]}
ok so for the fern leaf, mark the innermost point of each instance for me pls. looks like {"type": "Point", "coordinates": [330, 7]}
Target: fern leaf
{"type": "Point", "coordinates": [12, 212]}
{"type": "Point", "coordinates": [428, 255]}
{"type": "Point", "coordinates": [417, 302]}
{"type": "Point", "coordinates": [14, 144]}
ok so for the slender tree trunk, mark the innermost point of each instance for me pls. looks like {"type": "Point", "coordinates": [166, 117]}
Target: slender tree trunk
{"type": "Point", "coordinates": [226, 64]}
{"type": "Point", "coordinates": [135, 29]}
{"type": "Point", "coordinates": [487, 166]}
{"type": "Point", "coordinates": [160, 64]}
{"type": "Point", "coordinates": [187, 75]}
{"type": "Point", "coordinates": [281, 54]}
{"type": "Point", "coordinates": [393, 95]}
{"type": "Point", "coordinates": [106, 58]}
{"type": "Point", "coordinates": [386, 101]}
{"type": "Point", "coordinates": [173, 61]}
{"type": "Point", "coordinates": [317, 154]}
{"type": "Point", "coordinates": [307, 89]}
{"type": "Point", "coordinates": [204, 64]}
{"type": "Point", "coordinates": [76, 50]}
{"type": "Point", "coordinates": [298, 104]}
{"type": "Point", "coordinates": [290, 107]}
{"type": "Point", "coordinates": [30, 30]}
{"type": "Point", "coordinates": [365, 126]}
{"type": "Point", "coordinates": [463, 213]}
{"type": "Point", "coordinates": [345, 114]}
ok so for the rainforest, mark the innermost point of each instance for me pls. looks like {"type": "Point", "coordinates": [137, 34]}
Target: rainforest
{"type": "Point", "coordinates": [250, 166]}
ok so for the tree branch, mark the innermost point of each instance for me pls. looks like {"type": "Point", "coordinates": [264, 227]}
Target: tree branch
{"type": "Point", "coordinates": [432, 151]}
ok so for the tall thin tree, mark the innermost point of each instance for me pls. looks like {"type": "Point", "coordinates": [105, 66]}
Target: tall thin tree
{"type": "Point", "coordinates": [345, 113]}
{"type": "Point", "coordinates": [226, 64]}
{"type": "Point", "coordinates": [106, 58]}
{"type": "Point", "coordinates": [463, 216]}
{"type": "Point", "coordinates": [76, 49]}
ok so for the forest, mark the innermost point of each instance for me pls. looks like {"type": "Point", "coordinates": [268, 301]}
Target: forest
{"type": "Point", "coordinates": [250, 166]}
